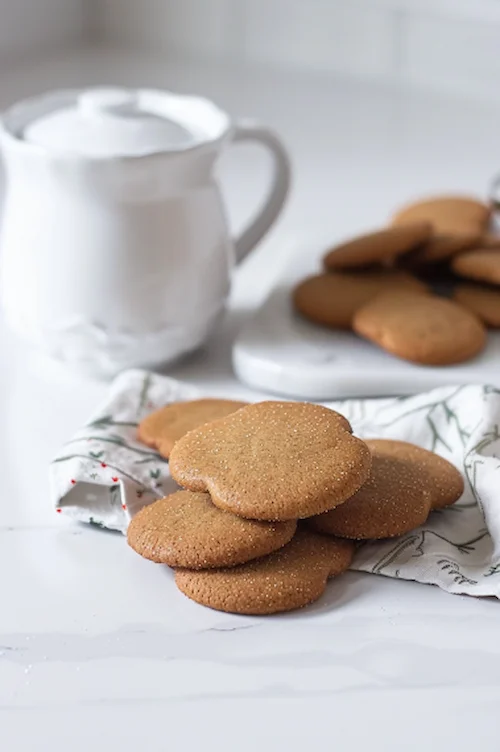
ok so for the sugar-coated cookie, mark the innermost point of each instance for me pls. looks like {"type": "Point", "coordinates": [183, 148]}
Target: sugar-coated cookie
{"type": "Point", "coordinates": [162, 428]}
{"type": "Point", "coordinates": [423, 329]}
{"type": "Point", "coordinates": [395, 499]}
{"type": "Point", "coordinates": [482, 265]}
{"type": "Point", "coordinates": [273, 460]}
{"type": "Point", "coordinates": [288, 579]}
{"type": "Point", "coordinates": [377, 247]}
{"type": "Point", "coordinates": [445, 481]}
{"type": "Point", "coordinates": [187, 530]}
{"type": "Point", "coordinates": [333, 299]}
{"type": "Point", "coordinates": [483, 301]}
{"type": "Point", "coordinates": [449, 215]}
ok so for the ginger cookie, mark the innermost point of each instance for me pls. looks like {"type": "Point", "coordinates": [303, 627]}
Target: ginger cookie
{"type": "Point", "coordinates": [288, 579]}
{"type": "Point", "coordinates": [439, 248]}
{"type": "Point", "coordinates": [482, 264]}
{"type": "Point", "coordinates": [333, 299]}
{"type": "Point", "coordinates": [395, 499]}
{"type": "Point", "coordinates": [273, 461]}
{"type": "Point", "coordinates": [445, 481]}
{"type": "Point", "coordinates": [421, 328]}
{"type": "Point", "coordinates": [187, 530]}
{"type": "Point", "coordinates": [377, 247]}
{"type": "Point", "coordinates": [165, 426]}
{"type": "Point", "coordinates": [460, 216]}
{"type": "Point", "coordinates": [490, 240]}
{"type": "Point", "coordinates": [483, 301]}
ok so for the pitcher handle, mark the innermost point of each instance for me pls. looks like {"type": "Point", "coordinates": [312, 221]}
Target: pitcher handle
{"type": "Point", "coordinates": [279, 187]}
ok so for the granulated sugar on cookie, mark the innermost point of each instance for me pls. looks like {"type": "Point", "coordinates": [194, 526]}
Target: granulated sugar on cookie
{"type": "Point", "coordinates": [162, 428]}
{"type": "Point", "coordinates": [187, 530]}
{"type": "Point", "coordinates": [285, 580]}
{"type": "Point", "coordinates": [446, 482]}
{"type": "Point", "coordinates": [395, 499]}
{"type": "Point", "coordinates": [273, 461]}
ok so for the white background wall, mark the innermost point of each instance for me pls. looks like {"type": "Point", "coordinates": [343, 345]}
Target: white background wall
{"type": "Point", "coordinates": [445, 44]}
{"type": "Point", "coordinates": [30, 26]}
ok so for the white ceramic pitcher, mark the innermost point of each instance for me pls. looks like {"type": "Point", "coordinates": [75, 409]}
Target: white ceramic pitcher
{"type": "Point", "coordinates": [115, 245]}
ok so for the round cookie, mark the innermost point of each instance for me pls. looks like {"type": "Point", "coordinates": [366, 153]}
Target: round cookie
{"type": "Point", "coordinates": [395, 499]}
{"type": "Point", "coordinates": [333, 299]}
{"type": "Point", "coordinates": [273, 461]}
{"type": "Point", "coordinates": [422, 329]}
{"type": "Point", "coordinates": [291, 578]}
{"type": "Point", "coordinates": [187, 530]}
{"type": "Point", "coordinates": [446, 482]}
{"type": "Point", "coordinates": [483, 301]}
{"type": "Point", "coordinates": [449, 215]}
{"type": "Point", "coordinates": [490, 240]}
{"type": "Point", "coordinates": [437, 249]}
{"type": "Point", "coordinates": [377, 247]}
{"type": "Point", "coordinates": [167, 425]}
{"type": "Point", "coordinates": [482, 264]}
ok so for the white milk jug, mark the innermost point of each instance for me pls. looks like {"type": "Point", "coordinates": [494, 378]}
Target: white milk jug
{"type": "Point", "coordinates": [115, 246]}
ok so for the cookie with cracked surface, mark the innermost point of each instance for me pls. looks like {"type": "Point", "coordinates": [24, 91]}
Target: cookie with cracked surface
{"type": "Point", "coordinates": [288, 579]}
{"type": "Point", "coordinates": [333, 299]}
{"type": "Point", "coordinates": [422, 329]}
{"type": "Point", "coordinates": [484, 302]}
{"type": "Point", "coordinates": [162, 428]}
{"type": "Point", "coordinates": [273, 461]}
{"type": "Point", "coordinates": [395, 499]}
{"type": "Point", "coordinates": [445, 481]}
{"type": "Point", "coordinates": [377, 247]}
{"type": "Point", "coordinates": [187, 530]}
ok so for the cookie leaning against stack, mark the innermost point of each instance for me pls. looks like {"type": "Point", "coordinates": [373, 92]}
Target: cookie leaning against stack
{"type": "Point", "coordinates": [406, 482]}
{"type": "Point", "coordinates": [281, 461]}
{"type": "Point", "coordinates": [164, 427]}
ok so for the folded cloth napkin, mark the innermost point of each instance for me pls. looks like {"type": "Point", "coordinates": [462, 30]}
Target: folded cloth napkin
{"type": "Point", "coordinates": [104, 475]}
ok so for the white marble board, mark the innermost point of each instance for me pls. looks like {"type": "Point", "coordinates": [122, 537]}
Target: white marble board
{"type": "Point", "coordinates": [278, 351]}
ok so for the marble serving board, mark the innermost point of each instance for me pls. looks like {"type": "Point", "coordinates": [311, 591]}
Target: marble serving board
{"type": "Point", "coordinates": [278, 351]}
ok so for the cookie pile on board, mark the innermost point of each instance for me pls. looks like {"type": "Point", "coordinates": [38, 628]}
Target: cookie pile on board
{"type": "Point", "coordinates": [275, 497]}
{"type": "Point", "coordinates": [403, 287]}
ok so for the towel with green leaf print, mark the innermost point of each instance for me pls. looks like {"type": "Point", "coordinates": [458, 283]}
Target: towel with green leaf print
{"type": "Point", "coordinates": [458, 548]}
{"type": "Point", "coordinates": [103, 475]}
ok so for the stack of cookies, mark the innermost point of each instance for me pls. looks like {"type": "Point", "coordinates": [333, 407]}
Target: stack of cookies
{"type": "Point", "coordinates": [276, 495]}
{"type": "Point", "coordinates": [388, 286]}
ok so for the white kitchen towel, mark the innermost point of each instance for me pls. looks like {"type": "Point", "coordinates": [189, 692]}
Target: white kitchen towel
{"type": "Point", "coordinates": [104, 474]}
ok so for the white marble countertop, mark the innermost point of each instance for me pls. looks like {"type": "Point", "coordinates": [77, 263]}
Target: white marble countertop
{"type": "Point", "coordinates": [91, 656]}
